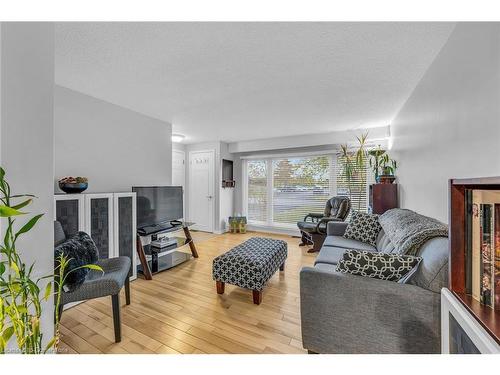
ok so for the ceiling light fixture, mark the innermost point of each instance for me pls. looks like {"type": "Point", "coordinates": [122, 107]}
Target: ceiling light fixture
{"type": "Point", "coordinates": [177, 138]}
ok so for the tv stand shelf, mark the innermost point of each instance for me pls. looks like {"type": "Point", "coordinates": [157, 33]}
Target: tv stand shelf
{"type": "Point", "coordinates": [153, 261]}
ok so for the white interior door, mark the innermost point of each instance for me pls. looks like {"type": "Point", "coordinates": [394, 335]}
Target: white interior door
{"type": "Point", "coordinates": [201, 190]}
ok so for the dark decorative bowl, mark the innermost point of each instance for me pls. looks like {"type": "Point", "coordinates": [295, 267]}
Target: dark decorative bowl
{"type": "Point", "coordinates": [73, 188]}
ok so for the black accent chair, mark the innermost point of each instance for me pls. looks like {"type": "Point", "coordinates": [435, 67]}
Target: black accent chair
{"type": "Point", "coordinates": [313, 231]}
{"type": "Point", "coordinates": [98, 284]}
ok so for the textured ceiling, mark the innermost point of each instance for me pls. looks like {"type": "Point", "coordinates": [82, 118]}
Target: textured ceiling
{"type": "Point", "coordinates": [241, 81]}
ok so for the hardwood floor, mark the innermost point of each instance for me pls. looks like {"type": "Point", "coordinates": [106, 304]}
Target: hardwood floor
{"type": "Point", "coordinates": [179, 311]}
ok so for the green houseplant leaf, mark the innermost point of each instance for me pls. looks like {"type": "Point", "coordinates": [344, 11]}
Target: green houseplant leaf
{"type": "Point", "coordinates": [6, 211]}
{"type": "Point", "coordinates": [30, 224]}
{"type": "Point", "coordinates": [23, 204]}
{"type": "Point", "coordinates": [7, 334]}
{"type": "Point", "coordinates": [48, 289]}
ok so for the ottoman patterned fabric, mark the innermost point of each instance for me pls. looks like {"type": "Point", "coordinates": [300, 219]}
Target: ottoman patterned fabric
{"type": "Point", "coordinates": [251, 264]}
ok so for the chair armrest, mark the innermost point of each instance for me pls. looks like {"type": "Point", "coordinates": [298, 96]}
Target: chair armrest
{"type": "Point", "coordinates": [336, 228]}
{"type": "Point", "coordinates": [323, 223]}
{"type": "Point", "coordinates": [313, 216]}
{"type": "Point", "coordinates": [343, 313]}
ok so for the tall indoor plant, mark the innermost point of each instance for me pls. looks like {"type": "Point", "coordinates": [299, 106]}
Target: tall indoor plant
{"type": "Point", "coordinates": [353, 164]}
{"type": "Point", "coordinates": [21, 298]}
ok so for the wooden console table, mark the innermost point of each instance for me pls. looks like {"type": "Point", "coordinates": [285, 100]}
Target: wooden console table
{"type": "Point", "coordinates": [146, 269]}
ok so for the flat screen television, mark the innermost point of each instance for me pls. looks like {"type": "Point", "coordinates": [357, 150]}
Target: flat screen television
{"type": "Point", "coordinates": [158, 204]}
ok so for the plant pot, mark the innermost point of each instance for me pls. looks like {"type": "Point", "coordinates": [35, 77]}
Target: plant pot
{"type": "Point", "coordinates": [386, 179]}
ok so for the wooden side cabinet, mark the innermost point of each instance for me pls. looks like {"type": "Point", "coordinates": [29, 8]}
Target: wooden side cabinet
{"type": "Point", "coordinates": [383, 197]}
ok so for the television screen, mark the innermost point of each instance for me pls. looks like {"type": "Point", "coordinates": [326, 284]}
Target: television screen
{"type": "Point", "coordinates": [158, 204]}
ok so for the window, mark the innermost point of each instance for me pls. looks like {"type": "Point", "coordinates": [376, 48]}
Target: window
{"type": "Point", "coordinates": [257, 190]}
{"type": "Point", "coordinates": [300, 186]}
{"type": "Point", "coordinates": [281, 191]}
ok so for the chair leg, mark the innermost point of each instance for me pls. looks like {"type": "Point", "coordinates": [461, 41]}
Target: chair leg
{"type": "Point", "coordinates": [115, 300]}
{"type": "Point", "coordinates": [303, 239]}
{"type": "Point", "coordinates": [127, 290]}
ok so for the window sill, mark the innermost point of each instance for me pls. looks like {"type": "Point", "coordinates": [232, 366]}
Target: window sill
{"type": "Point", "coordinates": [273, 229]}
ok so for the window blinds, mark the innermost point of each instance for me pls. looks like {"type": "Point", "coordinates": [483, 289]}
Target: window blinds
{"type": "Point", "coordinates": [300, 186]}
{"type": "Point", "coordinates": [283, 190]}
{"type": "Point", "coordinates": [257, 190]}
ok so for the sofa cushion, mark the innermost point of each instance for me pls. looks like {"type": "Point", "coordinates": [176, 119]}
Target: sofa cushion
{"type": "Point", "coordinates": [330, 255]}
{"type": "Point", "coordinates": [363, 227]}
{"type": "Point", "coordinates": [347, 243]}
{"type": "Point", "coordinates": [432, 274]}
{"type": "Point", "coordinates": [336, 228]}
{"type": "Point", "coordinates": [384, 244]}
{"type": "Point", "coordinates": [326, 267]}
{"type": "Point", "coordinates": [391, 267]}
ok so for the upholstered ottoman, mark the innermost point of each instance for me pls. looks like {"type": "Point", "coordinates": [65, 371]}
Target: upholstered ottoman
{"type": "Point", "coordinates": [250, 265]}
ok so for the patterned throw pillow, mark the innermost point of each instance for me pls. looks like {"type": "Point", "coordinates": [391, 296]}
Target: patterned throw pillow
{"type": "Point", "coordinates": [363, 227]}
{"type": "Point", "coordinates": [392, 267]}
{"type": "Point", "coordinates": [80, 250]}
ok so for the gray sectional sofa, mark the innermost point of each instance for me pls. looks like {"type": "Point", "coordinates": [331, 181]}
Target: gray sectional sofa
{"type": "Point", "coordinates": [344, 313]}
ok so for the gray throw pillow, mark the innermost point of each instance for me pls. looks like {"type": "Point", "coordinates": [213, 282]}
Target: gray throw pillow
{"type": "Point", "coordinates": [392, 267]}
{"type": "Point", "coordinates": [363, 227]}
{"type": "Point", "coordinates": [81, 251]}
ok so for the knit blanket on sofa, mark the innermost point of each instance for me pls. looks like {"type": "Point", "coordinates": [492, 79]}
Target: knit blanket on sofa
{"type": "Point", "coordinates": [408, 231]}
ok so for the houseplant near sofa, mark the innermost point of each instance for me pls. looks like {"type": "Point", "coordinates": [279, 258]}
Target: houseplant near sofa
{"type": "Point", "coordinates": [382, 165]}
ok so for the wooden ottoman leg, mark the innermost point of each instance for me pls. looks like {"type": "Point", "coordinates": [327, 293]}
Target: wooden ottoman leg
{"type": "Point", "coordinates": [282, 267]}
{"type": "Point", "coordinates": [220, 287]}
{"type": "Point", "coordinates": [257, 296]}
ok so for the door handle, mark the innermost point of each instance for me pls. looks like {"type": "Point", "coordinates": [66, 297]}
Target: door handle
{"type": "Point", "coordinates": [209, 197]}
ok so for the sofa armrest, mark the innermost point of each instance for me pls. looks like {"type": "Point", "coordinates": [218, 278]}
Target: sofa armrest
{"type": "Point", "coordinates": [343, 313]}
{"type": "Point", "coordinates": [336, 228]}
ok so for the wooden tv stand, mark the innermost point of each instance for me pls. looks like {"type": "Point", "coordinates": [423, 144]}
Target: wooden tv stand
{"type": "Point", "coordinates": [145, 264]}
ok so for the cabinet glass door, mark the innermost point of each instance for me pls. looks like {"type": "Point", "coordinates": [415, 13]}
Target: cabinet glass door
{"type": "Point", "coordinates": [99, 217]}
{"type": "Point", "coordinates": [125, 227]}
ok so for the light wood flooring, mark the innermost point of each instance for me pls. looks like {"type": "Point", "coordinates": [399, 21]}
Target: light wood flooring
{"type": "Point", "coordinates": [179, 311]}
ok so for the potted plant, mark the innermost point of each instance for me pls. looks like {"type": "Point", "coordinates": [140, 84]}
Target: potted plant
{"type": "Point", "coordinates": [376, 156]}
{"type": "Point", "coordinates": [382, 165]}
{"type": "Point", "coordinates": [388, 167]}
{"type": "Point", "coordinates": [22, 296]}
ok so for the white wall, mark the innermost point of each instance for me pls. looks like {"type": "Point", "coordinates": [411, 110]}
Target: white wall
{"type": "Point", "coordinates": [27, 137]}
{"type": "Point", "coordinates": [114, 147]}
{"type": "Point", "coordinates": [450, 125]}
{"type": "Point", "coordinates": [178, 146]}
{"type": "Point", "coordinates": [226, 206]}
{"type": "Point", "coordinates": [375, 134]}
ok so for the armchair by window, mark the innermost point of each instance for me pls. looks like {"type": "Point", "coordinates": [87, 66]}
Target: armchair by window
{"type": "Point", "coordinates": [313, 227]}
